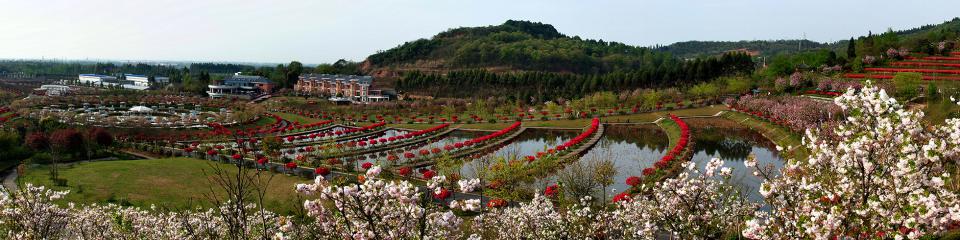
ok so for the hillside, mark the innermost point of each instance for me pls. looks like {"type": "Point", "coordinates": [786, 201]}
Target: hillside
{"type": "Point", "coordinates": [513, 45]}
{"type": "Point", "coordinates": [916, 39]}
{"type": "Point", "coordinates": [766, 48]}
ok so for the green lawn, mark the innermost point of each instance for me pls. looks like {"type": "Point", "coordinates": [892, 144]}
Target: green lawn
{"type": "Point", "coordinates": [297, 118]}
{"type": "Point", "coordinates": [170, 182]}
{"type": "Point", "coordinates": [937, 110]}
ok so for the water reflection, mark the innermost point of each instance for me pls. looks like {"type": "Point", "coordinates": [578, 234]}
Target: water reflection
{"type": "Point", "coordinates": [529, 142]}
{"type": "Point", "coordinates": [717, 138]}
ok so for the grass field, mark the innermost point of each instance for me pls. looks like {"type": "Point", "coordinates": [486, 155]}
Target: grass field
{"type": "Point", "coordinates": [176, 183]}
{"type": "Point", "coordinates": [297, 118]}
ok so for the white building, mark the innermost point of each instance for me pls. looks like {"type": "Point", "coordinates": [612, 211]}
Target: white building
{"type": "Point", "coordinates": [53, 90]}
{"type": "Point", "coordinates": [144, 81]}
{"type": "Point", "coordinates": [138, 80]}
{"type": "Point", "coordinates": [97, 79]}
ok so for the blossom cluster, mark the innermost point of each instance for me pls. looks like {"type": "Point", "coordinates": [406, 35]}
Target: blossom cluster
{"type": "Point", "coordinates": [883, 176]}
{"type": "Point", "coordinates": [795, 113]}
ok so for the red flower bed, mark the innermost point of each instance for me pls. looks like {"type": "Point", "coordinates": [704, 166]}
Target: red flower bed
{"type": "Point", "coordinates": [633, 180]}
{"type": "Point", "coordinates": [886, 76]}
{"type": "Point", "coordinates": [322, 171]}
{"type": "Point", "coordinates": [926, 64]}
{"type": "Point", "coordinates": [407, 136]}
{"type": "Point", "coordinates": [916, 70]}
{"type": "Point", "coordinates": [551, 190]}
{"type": "Point", "coordinates": [404, 171]}
{"type": "Point", "coordinates": [428, 174]}
{"type": "Point", "coordinates": [594, 125]}
{"type": "Point", "coordinates": [458, 145]}
{"type": "Point", "coordinates": [497, 203]}
{"type": "Point", "coordinates": [672, 156]}
{"type": "Point", "coordinates": [826, 93]}
{"type": "Point", "coordinates": [443, 194]}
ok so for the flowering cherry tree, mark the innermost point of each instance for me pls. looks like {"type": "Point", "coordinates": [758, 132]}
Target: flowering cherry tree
{"type": "Point", "coordinates": [883, 177]}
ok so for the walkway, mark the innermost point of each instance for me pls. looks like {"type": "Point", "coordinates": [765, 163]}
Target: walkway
{"type": "Point", "coordinates": [10, 180]}
{"type": "Point", "coordinates": [576, 153]}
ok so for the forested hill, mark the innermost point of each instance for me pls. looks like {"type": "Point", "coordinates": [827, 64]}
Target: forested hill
{"type": "Point", "coordinates": [917, 39]}
{"type": "Point", "coordinates": [690, 49]}
{"type": "Point", "coordinates": [514, 45]}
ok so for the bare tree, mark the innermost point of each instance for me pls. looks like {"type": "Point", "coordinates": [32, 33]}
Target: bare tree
{"type": "Point", "coordinates": [241, 188]}
{"type": "Point", "coordinates": [577, 181]}
{"type": "Point", "coordinates": [603, 172]}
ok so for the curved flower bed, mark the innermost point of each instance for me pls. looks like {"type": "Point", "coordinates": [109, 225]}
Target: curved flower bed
{"type": "Point", "coordinates": [825, 93]}
{"type": "Point", "coordinates": [460, 146]}
{"type": "Point", "coordinates": [366, 145]}
{"type": "Point", "coordinates": [5, 110]}
{"type": "Point", "coordinates": [669, 164]}
{"type": "Point", "coordinates": [332, 134]}
{"type": "Point", "coordinates": [361, 144]}
{"type": "Point", "coordinates": [562, 148]}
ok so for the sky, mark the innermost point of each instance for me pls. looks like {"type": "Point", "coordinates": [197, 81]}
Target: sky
{"type": "Point", "coordinates": [323, 31]}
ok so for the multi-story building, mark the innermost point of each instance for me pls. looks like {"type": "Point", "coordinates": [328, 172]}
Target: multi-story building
{"type": "Point", "coordinates": [354, 88]}
{"type": "Point", "coordinates": [240, 86]}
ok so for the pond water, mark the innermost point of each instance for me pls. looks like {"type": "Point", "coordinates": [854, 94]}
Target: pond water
{"type": "Point", "coordinates": [529, 142]}
{"type": "Point", "coordinates": [632, 148]}
{"type": "Point", "coordinates": [734, 145]}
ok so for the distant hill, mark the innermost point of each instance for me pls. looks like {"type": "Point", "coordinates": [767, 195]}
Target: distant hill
{"type": "Point", "coordinates": [513, 46]}
{"type": "Point", "coordinates": [915, 39]}
{"type": "Point", "coordinates": [768, 48]}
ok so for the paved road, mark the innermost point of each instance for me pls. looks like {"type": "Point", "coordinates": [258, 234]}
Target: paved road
{"type": "Point", "coordinates": [10, 180]}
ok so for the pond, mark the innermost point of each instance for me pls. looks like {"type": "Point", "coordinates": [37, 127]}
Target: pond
{"type": "Point", "coordinates": [529, 142]}
{"type": "Point", "coordinates": [632, 148]}
{"type": "Point", "coordinates": [724, 139]}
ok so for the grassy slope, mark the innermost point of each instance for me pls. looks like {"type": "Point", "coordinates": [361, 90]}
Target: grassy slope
{"type": "Point", "coordinates": [169, 182]}
{"type": "Point", "coordinates": [297, 118]}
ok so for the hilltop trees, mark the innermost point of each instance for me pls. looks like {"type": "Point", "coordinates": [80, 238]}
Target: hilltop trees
{"type": "Point", "coordinates": [548, 85]}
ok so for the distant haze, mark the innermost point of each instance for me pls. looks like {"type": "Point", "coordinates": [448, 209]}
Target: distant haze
{"type": "Point", "coordinates": [324, 31]}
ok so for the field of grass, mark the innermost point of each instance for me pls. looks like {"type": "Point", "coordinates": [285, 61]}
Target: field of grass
{"type": "Point", "coordinates": [297, 118]}
{"type": "Point", "coordinates": [176, 183]}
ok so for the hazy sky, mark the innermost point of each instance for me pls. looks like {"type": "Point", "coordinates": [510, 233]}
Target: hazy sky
{"type": "Point", "coordinates": [324, 31]}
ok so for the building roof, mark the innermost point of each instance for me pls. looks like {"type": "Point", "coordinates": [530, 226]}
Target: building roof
{"type": "Point", "coordinates": [341, 78]}
{"type": "Point", "coordinates": [94, 75]}
{"type": "Point", "coordinates": [135, 87]}
{"type": "Point", "coordinates": [239, 79]}
{"type": "Point", "coordinates": [134, 75]}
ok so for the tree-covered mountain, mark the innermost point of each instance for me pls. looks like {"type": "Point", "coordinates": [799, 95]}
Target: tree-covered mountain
{"type": "Point", "coordinates": [690, 49]}
{"type": "Point", "coordinates": [515, 45]}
